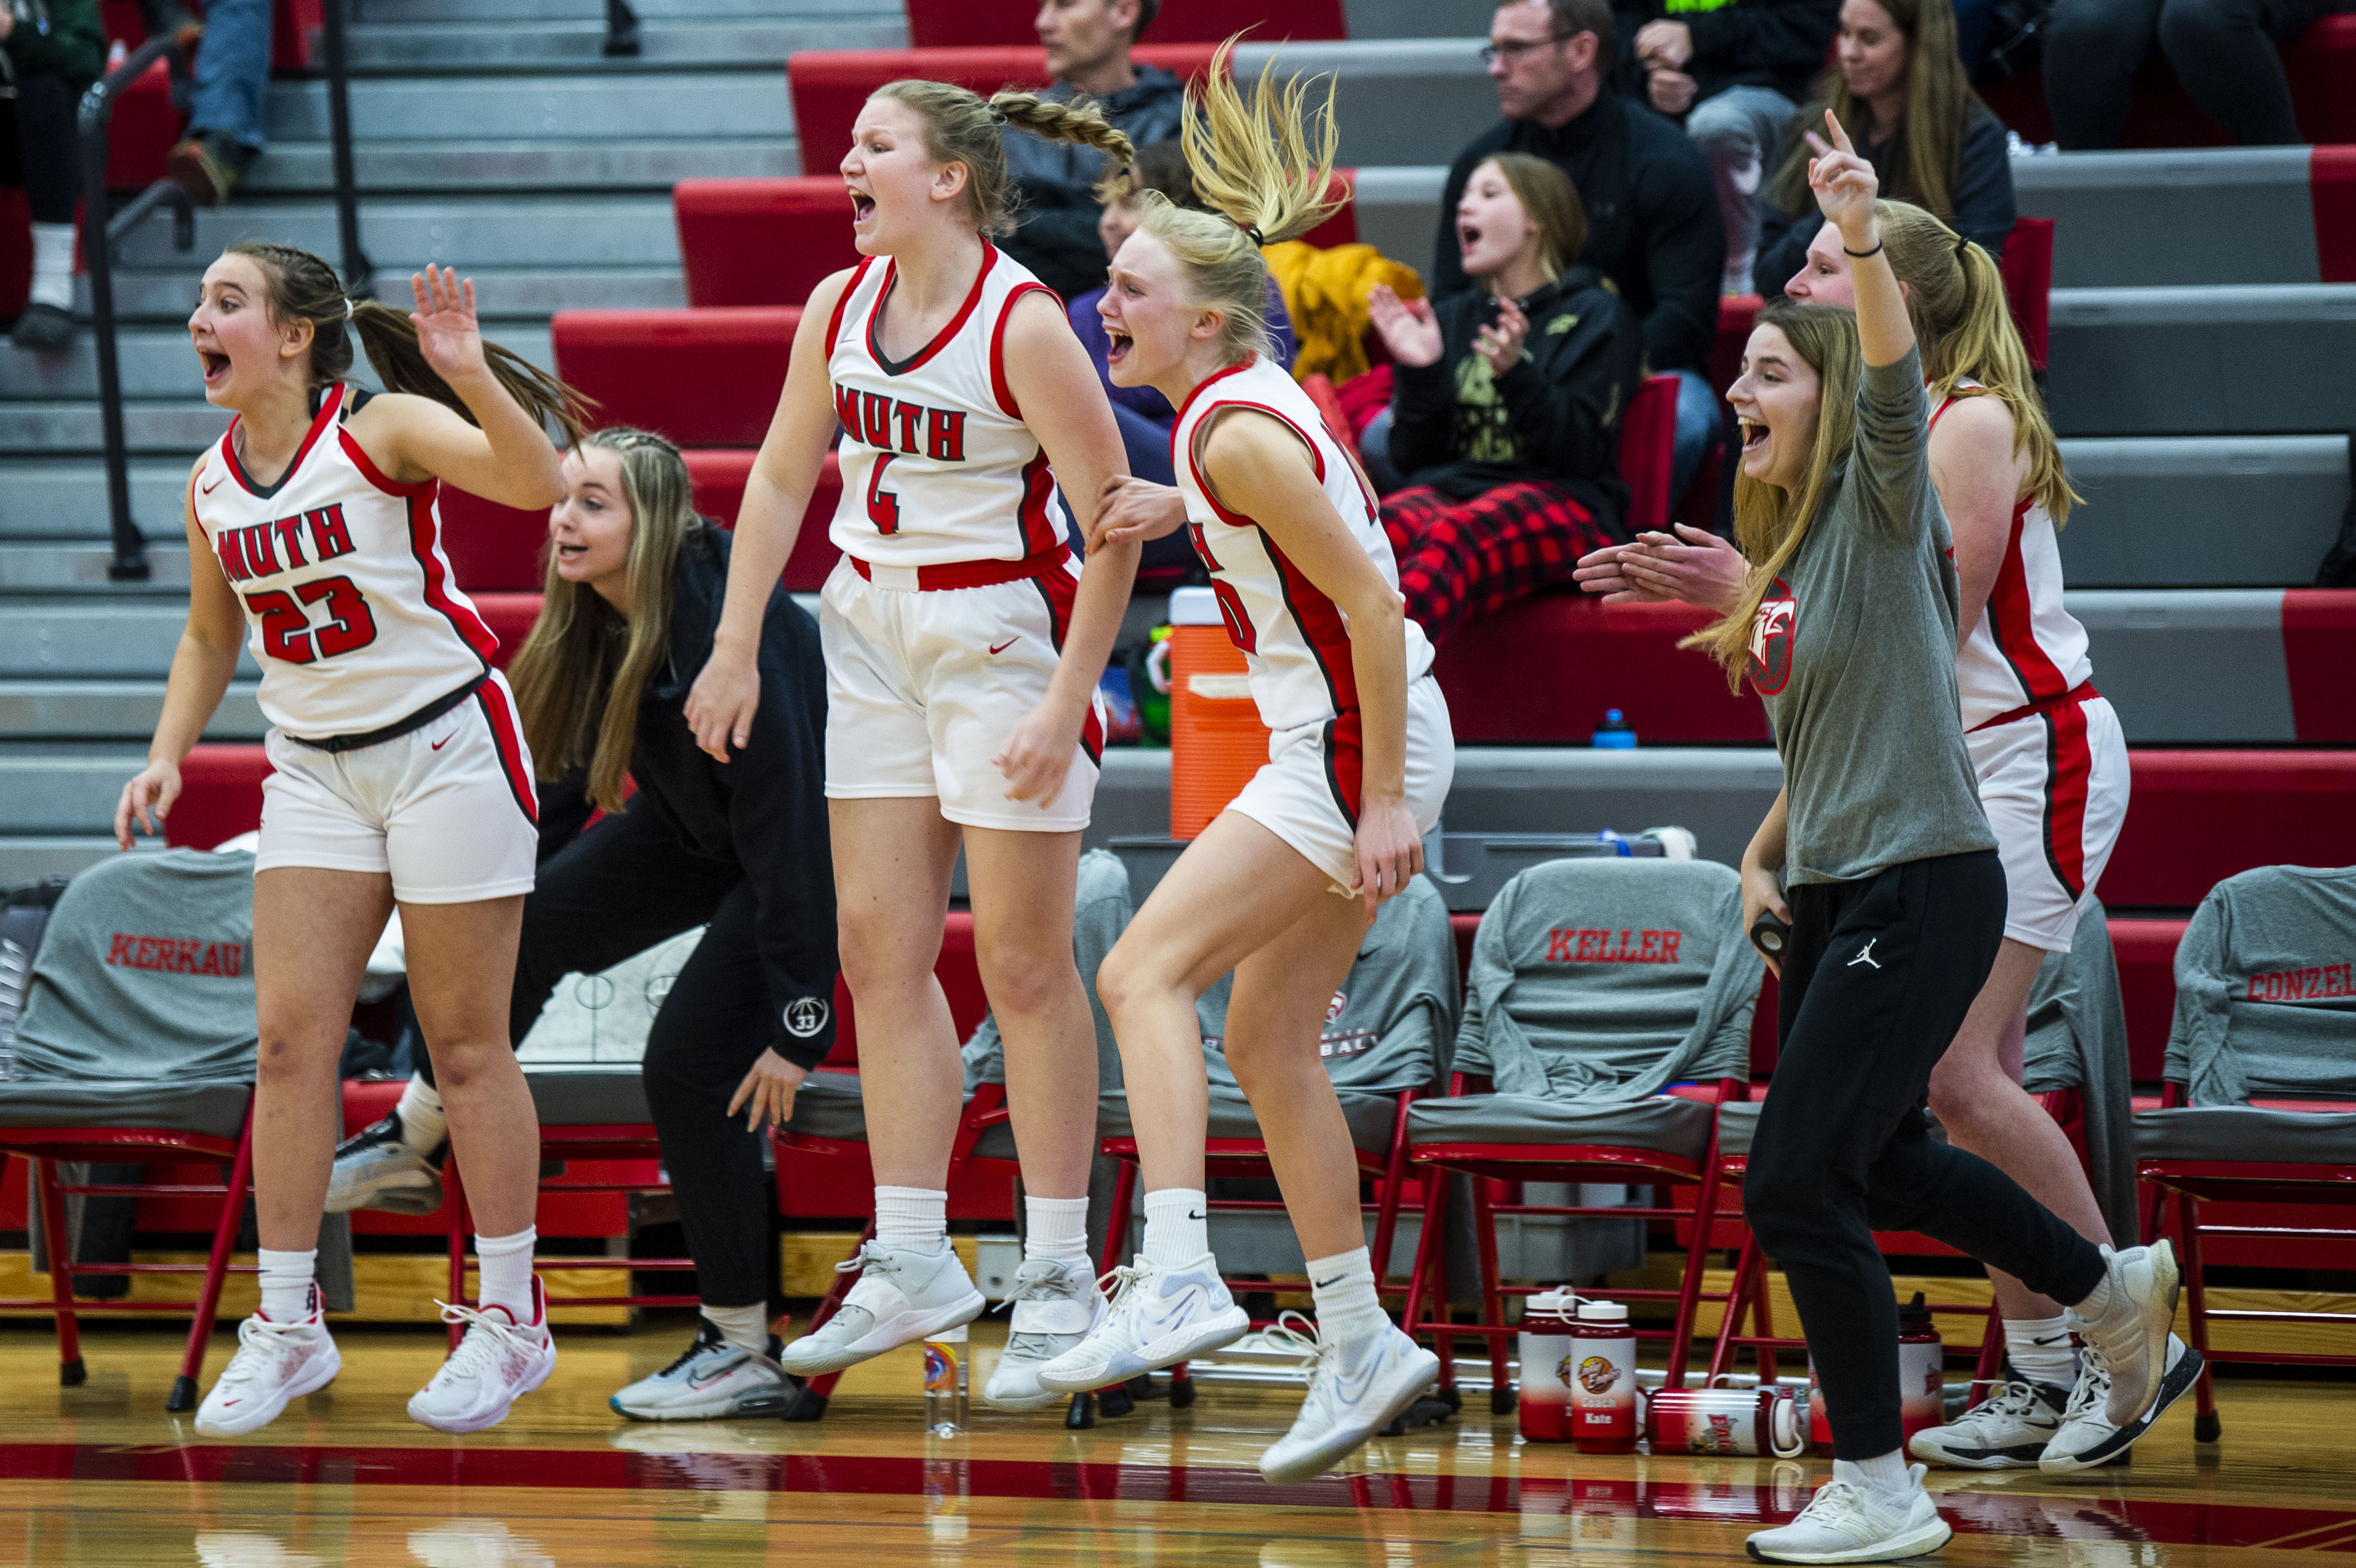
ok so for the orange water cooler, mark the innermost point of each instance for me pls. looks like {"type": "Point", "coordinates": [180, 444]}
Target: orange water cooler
{"type": "Point", "coordinates": [1217, 740]}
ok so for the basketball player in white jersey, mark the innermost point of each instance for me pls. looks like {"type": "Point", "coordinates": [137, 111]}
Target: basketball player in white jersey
{"type": "Point", "coordinates": [398, 774]}
{"type": "Point", "coordinates": [963, 645]}
{"type": "Point", "coordinates": [1282, 886]}
{"type": "Point", "coordinates": [2051, 762]}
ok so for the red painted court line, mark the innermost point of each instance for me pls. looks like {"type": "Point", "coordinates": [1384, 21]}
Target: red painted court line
{"type": "Point", "coordinates": [2062, 1516]}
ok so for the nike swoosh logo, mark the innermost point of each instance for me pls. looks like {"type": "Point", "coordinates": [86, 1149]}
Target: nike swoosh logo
{"type": "Point", "coordinates": [1324, 1283]}
{"type": "Point", "coordinates": [1352, 1394]}
{"type": "Point", "coordinates": [440, 743]}
{"type": "Point", "coordinates": [1006, 644]}
{"type": "Point", "coordinates": [211, 487]}
{"type": "Point", "coordinates": [1171, 1315]}
{"type": "Point", "coordinates": [1195, 1216]}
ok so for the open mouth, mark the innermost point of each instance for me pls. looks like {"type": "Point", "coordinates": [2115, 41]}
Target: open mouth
{"type": "Point", "coordinates": [215, 366]}
{"type": "Point", "coordinates": [862, 206]}
{"type": "Point", "coordinates": [571, 551]}
{"type": "Point", "coordinates": [1117, 346]}
{"type": "Point", "coordinates": [1468, 235]}
{"type": "Point", "coordinates": [1754, 436]}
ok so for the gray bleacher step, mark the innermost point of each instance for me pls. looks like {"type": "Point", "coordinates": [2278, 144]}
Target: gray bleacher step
{"type": "Point", "coordinates": [512, 229]}
{"type": "Point", "coordinates": [55, 499]}
{"type": "Point", "coordinates": [159, 364]}
{"type": "Point", "coordinates": [698, 105]}
{"type": "Point", "coordinates": [402, 12]}
{"type": "Point", "coordinates": [2185, 216]}
{"type": "Point", "coordinates": [48, 429]}
{"type": "Point", "coordinates": [71, 566]}
{"type": "Point", "coordinates": [119, 709]}
{"type": "Point", "coordinates": [2242, 359]}
{"type": "Point", "coordinates": [1452, 98]}
{"type": "Point", "coordinates": [445, 48]}
{"type": "Point", "coordinates": [503, 294]}
{"type": "Point", "coordinates": [2203, 511]}
{"type": "Point", "coordinates": [28, 858]}
{"type": "Point", "coordinates": [1396, 209]}
{"type": "Point", "coordinates": [72, 792]}
{"type": "Point", "coordinates": [619, 163]}
{"type": "Point", "coordinates": [2190, 666]}
{"type": "Point", "coordinates": [1417, 18]}
{"type": "Point", "coordinates": [89, 637]}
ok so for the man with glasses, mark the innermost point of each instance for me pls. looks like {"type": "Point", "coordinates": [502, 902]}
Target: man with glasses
{"type": "Point", "coordinates": [1652, 224]}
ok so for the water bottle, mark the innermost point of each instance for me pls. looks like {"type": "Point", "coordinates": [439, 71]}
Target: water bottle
{"type": "Point", "coordinates": [949, 1381]}
{"type": "Point", "coordinates": [1614, 734]}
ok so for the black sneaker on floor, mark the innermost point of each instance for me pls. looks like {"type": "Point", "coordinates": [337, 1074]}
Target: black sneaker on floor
{"type": "Point", "coordinates": [43, 329]}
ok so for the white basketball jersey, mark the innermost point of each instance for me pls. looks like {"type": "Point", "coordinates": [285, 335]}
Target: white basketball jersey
{"type": "Point", "coordinates": [2026, 648]}
{"type": "Point", "coordinates": [1295, 640]}
{"type": "Point", "coordinates": [937, 465]}
{"type": "Point", "coordinates": [356, 623]}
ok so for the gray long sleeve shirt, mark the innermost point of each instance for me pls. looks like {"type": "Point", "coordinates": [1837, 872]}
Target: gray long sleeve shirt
{"type": "Point", "coordinates": [2266, 988]}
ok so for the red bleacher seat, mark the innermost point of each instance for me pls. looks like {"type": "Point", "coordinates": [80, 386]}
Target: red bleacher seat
{"type": "Point", "coordinates": [221, 796]}
{"type": "Point", "coordinates": [2318, 629]}
{"type": "Point", "coordinates": [1648, 438]}
{"type": "Point", "coordinates": [2320, 64]}
{"type": "Point", "coordinates": [15, 252]}
{"type": "Point", "coordinates": [509, 617]}
{"type": "Point", "coordinates": [720, 477]}
{"type": "Point", "coordinates": [703, 378]}
{"type": "Point", "coordinates": [1574, 656]}
{"type": "Point", "coordinates": [2196, 818]}
{"type": "Point", "coordinates": [2331, 188]}
{"type": "Point", "coordinates": [2145, 950]}
{"type": "Point", "coordinates": [492, 547]}
{"type": "Point", "coordinates": [955, 24]}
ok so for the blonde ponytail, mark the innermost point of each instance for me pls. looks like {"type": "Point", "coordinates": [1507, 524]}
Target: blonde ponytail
{"type": "Point", "coordinates": [961, 127]}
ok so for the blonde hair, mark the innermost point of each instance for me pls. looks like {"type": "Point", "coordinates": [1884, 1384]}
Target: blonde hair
{"type": "Point", "coordinates": [579, 677]}
{"type": "Point", "coordinates": [1265, 172]}
{"type": "Point", "coordinates": [962, 127]}
{"type": "Point", "coordinates": [1962, 318]}
{"type": "Point", "coordinates": [1551, 201]}
{"type": "Point", "coordinates": [297, 285]}
{"type": "Point", "coordinates": [1770, 522]}
{"type": "Point", "coordinates": [1939, 104]}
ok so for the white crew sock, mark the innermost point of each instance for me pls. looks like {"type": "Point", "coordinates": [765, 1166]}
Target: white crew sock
{"type": "Point", "coordinates": [423, 1123]}
{"type": "Point", "coordinates": [2098, 1301]}
{"type": "Point", "coordinates": [2041, 1351]}
{"type": "Point", "coordinates": [912, 1217]}
{"type": "Point", "coordinates": [746, 1327]}
{"type": "Point", "coordinates": [1177, 1226]}
{"type": "Point", "coordinates": [53, 246]}
{"type": "Point", "coordinates": [504, 1270]}
{"type": "Point", "coordinates": [1885, 1476]}
{"type": "Point", "coordinates": [1348, 1307]}
{"type": "Point", "coordinates": [286, 1285]}
{"type": "Point", "coordinates": [1055, 1230]}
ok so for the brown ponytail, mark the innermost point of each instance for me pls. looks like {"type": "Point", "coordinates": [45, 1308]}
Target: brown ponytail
{"type": "Point", "coordinates": [302, 286]}
{"type": "Point", "coordinates": [961, 127]}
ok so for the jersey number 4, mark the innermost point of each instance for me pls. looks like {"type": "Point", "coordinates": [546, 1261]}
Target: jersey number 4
{"type": "Point", "coordinates": [286, 630]}
{"type": "Point", "coordinates": [882, 506]}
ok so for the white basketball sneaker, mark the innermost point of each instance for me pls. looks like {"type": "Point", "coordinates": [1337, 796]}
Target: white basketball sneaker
{"type": "Point", "coordinates": [1160, 1317]}
{"type": "Point", "coordinates": [1356, 1389]}
{"type": "Point", "coordinates": [1848, 1521]}
{"type": "Point", "coordinates": [276, 1364]}
{"type": "Point", "coordinates": [2006, 1430]}
{"type": "Point", "coordinates": [711, 1381]}
{"type": "Point", "coordinates": [903, 1294]}
{"type": "Point", "coordinates": [1056, 1304]}
{"type": "Point", "coordinates": [2130, 1335]}
{"type": "Point", "coordinates": [499, 1362]}
{"type": "Point", "coordinates": [2088, 1436]}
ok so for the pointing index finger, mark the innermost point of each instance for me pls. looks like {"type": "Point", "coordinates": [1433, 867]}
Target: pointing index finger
{"type": "Point", "coordinates": [1840, 137]}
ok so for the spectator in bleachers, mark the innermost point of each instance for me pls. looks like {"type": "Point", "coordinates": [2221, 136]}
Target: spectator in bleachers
{"type": "Point", "coordinates": [1508, 403]}
{"type": "Point", "coordinates": [52, 60]}
{"type": "Point", "coordinates": [1926, 131]}
{"type": "Point", "coordinates": [1654, 230]}
{"type": "Point", "coordinates": [1088, 53]}
{"type": "Point", "coordinates": [1734, 72]}
{"type": "Point", "coordinates": [2223, 51]}
{"type": "Point", "coordinates": [226, 107]}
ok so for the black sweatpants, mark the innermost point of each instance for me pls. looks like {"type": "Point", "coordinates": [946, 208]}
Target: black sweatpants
{"type": "Point", "coordinates": [36, 145]}
{"type": "Point", "coordinates": [1877, 978]}
{"type": "Point", "coordinates": [2222, 50]}
{"type": "Point", "coordinates": [622, 886]}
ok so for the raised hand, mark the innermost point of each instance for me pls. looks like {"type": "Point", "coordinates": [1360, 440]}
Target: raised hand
{"type": "Point", "coordinates": [1845, 185]}
{"type": "Point", "coordinates": [1500, 343]}
{"type": "Point", "coordinates": [447, 332]}
{"type": "Point", "coordinates": [1409, 330]}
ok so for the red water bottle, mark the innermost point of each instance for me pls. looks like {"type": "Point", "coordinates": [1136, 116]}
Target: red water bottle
{"type": "Point", "coordinates": [1603, 1379]}
{"type": "Point", "coordinates": [1921, 1365]}
{"type": "Point", "coordinates": [1543, 1407]}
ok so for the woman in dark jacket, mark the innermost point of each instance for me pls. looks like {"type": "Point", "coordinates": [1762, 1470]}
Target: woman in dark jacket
{"type": "Point", "coordinates": [634, 585]}
{"type": "Point", "coordinates": [1507, 413]}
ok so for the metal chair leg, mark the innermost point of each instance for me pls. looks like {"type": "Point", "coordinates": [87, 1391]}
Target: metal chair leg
{"type": "Point", "coordinates": [71, 1373]}
{"type": "Point", "coordinates": [1492, 1301]}
{"type": "Point", "coordinates": [192, 1360]}
{"type": "Point", "coordinates": [2206, 1427]}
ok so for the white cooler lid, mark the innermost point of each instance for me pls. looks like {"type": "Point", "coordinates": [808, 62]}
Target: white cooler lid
{"type": "Point", "coordinates": [1194, 607]}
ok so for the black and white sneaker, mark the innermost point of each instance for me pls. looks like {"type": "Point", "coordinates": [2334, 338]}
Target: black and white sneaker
{"type": "Point", "coordinates": [2088, 1436]}
{"type": "Point", "coordinates": [2006, 1430]}
{"type": "Point", "coordinates": [375, 1169]}
{"type": "Point", "coordinates": [711, 1381]}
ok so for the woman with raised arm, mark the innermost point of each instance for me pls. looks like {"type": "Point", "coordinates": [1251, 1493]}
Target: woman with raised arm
{"type": "Point", "coordinates": [1878, 856]}
{"type": "Point", "coordinates": [2051, 764]}
{"type": "Point", "coordinates": [1282, 886]}
{"type": "Point", "coordinates": [399, 774]}
{"type": "Point", "coordinates": [963, 645]}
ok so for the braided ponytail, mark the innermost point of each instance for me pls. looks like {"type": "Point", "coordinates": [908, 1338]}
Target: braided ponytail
{"type": "Point", "coordinates": [300, 286]}
{"type": "Point", "coordinates": [962, 127]}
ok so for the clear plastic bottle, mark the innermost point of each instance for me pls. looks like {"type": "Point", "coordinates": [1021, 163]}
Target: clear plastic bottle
{"type": "Point", "coordinates": [948, 1380]}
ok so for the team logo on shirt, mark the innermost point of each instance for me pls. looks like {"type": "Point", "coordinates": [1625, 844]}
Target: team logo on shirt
{"type": "Point", "coordinates": [805, 1016]}
{"type": "Point", "coordinates": [1771, 632]}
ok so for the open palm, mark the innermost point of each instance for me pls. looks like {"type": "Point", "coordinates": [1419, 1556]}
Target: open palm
{"type": "Point", "coordinates": [447, 332]}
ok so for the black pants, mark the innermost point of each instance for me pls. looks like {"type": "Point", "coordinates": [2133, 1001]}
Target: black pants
{"type": "Point", "coordinates": [36, 145]}
{"type": "Point", "coordinates": [1877, 978]}
{"type": "Point", "coordinates": [2222, 50]}
{"type": "Point", "coordinates": [624, 885]}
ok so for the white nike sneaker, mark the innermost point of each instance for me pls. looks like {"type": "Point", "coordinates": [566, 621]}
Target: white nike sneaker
{"type": "Point", "coordinates": [499, 1362]}
{"type": "Point", "coordinates": [1846, 1521]}
{"type": "Point", "coordinates": [376, 1168]}
{"type": "Point", "coordinates": [1356, 1389]}
{"type": "Point", "coordinates": [2088, 1436]}
{"type": "Point", "coordinates": [902, 1295]}
{"type": "Point", "coordinates": [477, 1544]}
{"type": "Point", "coordinates": [1160, 1317]}
{"type": "Point", "coordinates": [276, 1364]}
{"type": "Point", "coordinates": [2132, 1333]}
{"type": "Point", "coordinates": [711, 1381]}
{"type": "Point", "coordinates": [2006, 1430]}
{"type": "Point", "coordinates": [1055, 1305]}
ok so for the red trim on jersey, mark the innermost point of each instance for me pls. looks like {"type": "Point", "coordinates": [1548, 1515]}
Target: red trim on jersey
{"type": "Point", "coordinates": [977, 573]}
{"type": "Point", "coordinates": [1061, 590]}
{"type": "Point", "coordinates": [2081, 692]}
{"type": "Point", "coordinates": [505, 734]}
{"type": "Point", "coordinates": [330, 408]}
{"type": "Point", "coordinates": [1039, 530]}
{"type": "Point", "coordinates": [842, 302]}
{"type": "Point", "coordinates": [375, 475]}
{"type": "Point", "coordinates": [1200, 387]}
{"type": "Point", "coordinates": [1328, 637]}
{"type": "Point", "coordinates": [997, 387]}
{"type": "Point", "coordinates": [424, 540]}
{"type": "Point", "coordinates": [2069, 765]}
{"type": "Point", "coordinates": [942, 338]}
{"type": "Point", "coordinates": [2012, 623]}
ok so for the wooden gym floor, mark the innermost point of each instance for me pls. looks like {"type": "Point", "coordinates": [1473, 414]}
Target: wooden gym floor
{"type": "Point", "coordinates": [101, 1475]}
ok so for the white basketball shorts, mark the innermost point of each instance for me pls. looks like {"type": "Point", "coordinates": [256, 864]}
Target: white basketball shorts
{"type": "Point", "coordinates": [924, 686]}
{"type": "Point", "coordinates": [448, 809]}
{"type": "Point", "coordinates": [1307, 794]}
{"type": "Point", "coordinates": [2054, 786]}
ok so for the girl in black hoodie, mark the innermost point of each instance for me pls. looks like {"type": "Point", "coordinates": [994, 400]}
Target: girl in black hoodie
{"type": "Point", "coordinates": [1507, 413]}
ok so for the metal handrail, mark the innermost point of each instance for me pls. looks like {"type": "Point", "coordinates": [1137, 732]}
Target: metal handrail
{"type": "Point", "coordinates": [359, 272]}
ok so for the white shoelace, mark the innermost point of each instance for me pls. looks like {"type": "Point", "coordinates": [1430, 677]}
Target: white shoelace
{"type": "Point", "coordinates": [476, 1355]}
{"type": "Point", "coordinates": [1323, 1355]}
{"type": "Point", "coordinates": [1841, 1506]}
{"type": "Point", "coordinates": [2093, 1390]}
{"type": "Point", "coordinates": [261, 1347]}
{"type": "Point", "coordinates": [1037, 1281]}
{"type": "Point", "coordinates": [2009, 1398]}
